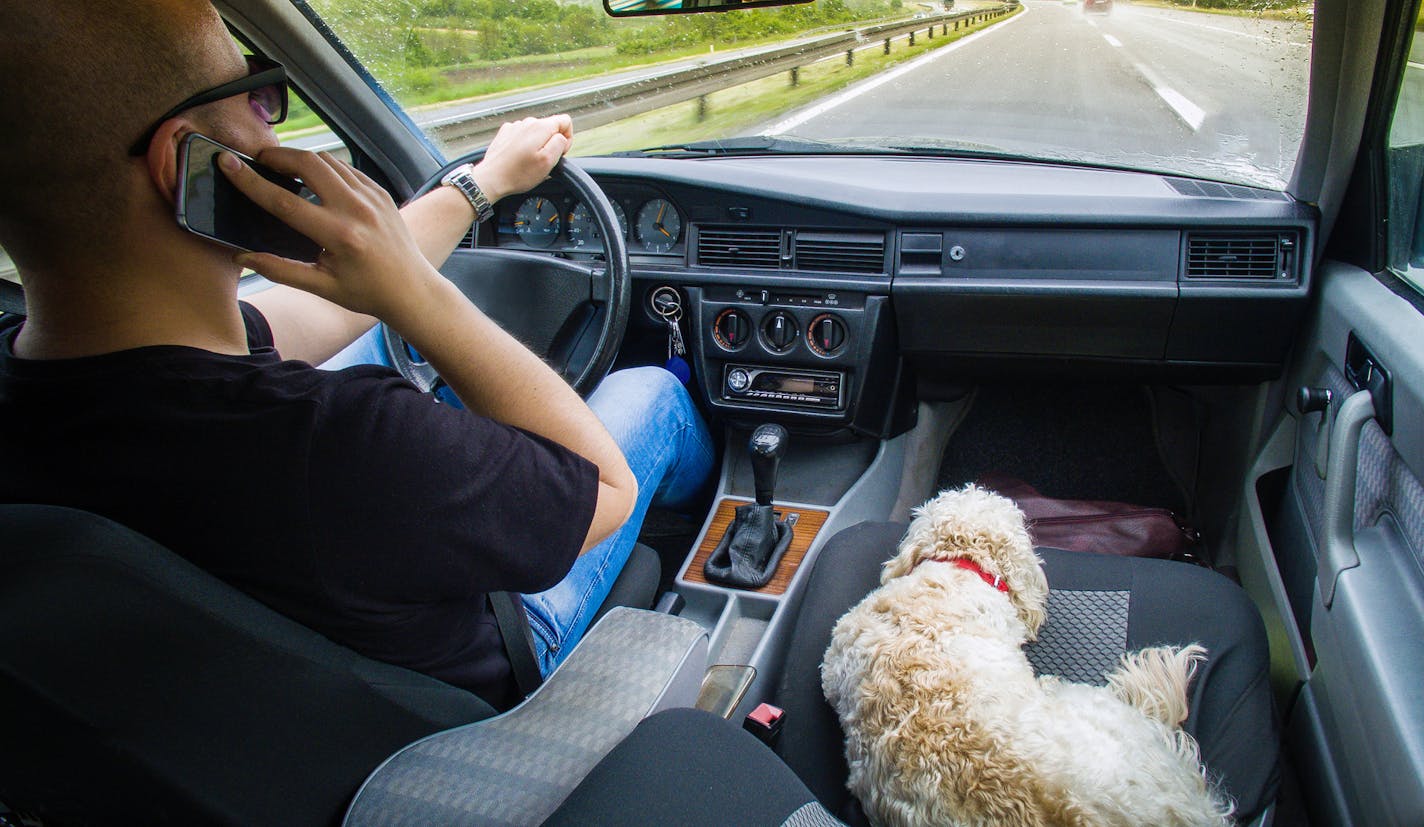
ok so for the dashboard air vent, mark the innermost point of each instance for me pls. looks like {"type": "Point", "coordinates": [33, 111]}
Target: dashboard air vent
{"type": "Point", "coordinates": [841, 252]}
{"type": "Point", "coordinates": [1236, 256]}
{"type": "Point", "coordinates": [1212, 189]}
{"type": "Point", "coordinates": [468, 242]}
{"type": "Point", "coordinates": [740, 247]}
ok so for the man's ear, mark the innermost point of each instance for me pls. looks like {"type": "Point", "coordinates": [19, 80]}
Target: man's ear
{"type": "Point", "coordinates": [163, 155]}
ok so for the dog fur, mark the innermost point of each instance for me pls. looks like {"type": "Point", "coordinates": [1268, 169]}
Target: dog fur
{"type": "Point", "coordinates": [945, 722]}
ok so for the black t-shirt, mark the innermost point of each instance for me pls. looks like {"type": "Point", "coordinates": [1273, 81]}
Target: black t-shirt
{"type": "Point", "coordinates": [347, 500]}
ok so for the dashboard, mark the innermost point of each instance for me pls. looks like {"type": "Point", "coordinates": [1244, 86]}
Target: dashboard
{"type": "Point", "coordinates": [548, 218]}
{"type": "Point", "coordinates": [830, 290]}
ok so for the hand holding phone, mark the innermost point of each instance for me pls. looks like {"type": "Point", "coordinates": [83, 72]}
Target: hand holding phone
{"type": "Point", "coordinates": [209, 205]}
{"type": "Point", "coordinates": [369, 262]}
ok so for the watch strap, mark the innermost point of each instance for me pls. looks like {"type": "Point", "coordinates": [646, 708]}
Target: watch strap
{"type": "Point", "coordinates": [461, 179]}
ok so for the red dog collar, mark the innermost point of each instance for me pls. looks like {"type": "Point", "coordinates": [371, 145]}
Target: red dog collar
{"type": "Point", "coordinates": [992, 579]}
{"type": "Point", "coordinates": [969, 565]}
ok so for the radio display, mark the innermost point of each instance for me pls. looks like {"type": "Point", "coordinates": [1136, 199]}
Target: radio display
{"type": "Point", "coordinates": [785, 383]}
{"type": "Point", "coordinates": [822, 390]}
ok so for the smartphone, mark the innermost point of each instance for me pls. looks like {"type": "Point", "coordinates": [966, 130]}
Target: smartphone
{"type": "Point", "coordinates": [208, 204]}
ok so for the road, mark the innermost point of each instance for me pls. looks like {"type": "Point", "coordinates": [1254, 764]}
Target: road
{"type": "Point", "coordinates": [1215, 95]}
{"type": "Point", "coordinates": [1148, 87]}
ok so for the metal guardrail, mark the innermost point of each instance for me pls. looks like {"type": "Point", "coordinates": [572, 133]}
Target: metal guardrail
{"type": "Point", "coordinates": [606, 104]}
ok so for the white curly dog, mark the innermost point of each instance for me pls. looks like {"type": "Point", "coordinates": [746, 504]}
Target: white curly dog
{"type": "Point", "coordinates": [945, 722]}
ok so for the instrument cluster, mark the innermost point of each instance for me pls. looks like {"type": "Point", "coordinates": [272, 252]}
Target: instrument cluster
{"type": "Point", "coordinates": [560, 222]}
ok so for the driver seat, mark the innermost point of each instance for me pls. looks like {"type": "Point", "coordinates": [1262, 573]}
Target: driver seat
{"type": "Point", "coordinates": [135, 687]}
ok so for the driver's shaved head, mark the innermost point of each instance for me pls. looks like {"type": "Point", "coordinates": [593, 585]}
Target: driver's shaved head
{"type": "Point", "coordinates": [80, 80]}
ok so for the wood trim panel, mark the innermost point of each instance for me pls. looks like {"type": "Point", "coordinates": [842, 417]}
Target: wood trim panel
{"type": "Point", "coordinates": [808, 525]}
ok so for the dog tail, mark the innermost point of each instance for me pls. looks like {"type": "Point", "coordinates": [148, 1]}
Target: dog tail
{"type": "Point", "coordinates": [1155, 680]}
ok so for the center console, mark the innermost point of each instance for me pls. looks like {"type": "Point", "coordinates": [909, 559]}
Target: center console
{"type": "Point", "coordinates": [817, 356]}
{"type": "Point", "coordinates": [809, 356]}
{"type": "Point", "coordinates": [823, 485]}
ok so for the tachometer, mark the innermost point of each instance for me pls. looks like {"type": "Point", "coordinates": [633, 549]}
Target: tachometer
{"type": "Point", "coordinates": [584, 231]}
{"type": "Point", "coordinates": [658, 225]}
{"type": "Point", "coordinates": [537, 221]}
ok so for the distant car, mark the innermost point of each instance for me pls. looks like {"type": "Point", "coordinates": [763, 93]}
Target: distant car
{"type": "Point", "coordinates": [1097, 6]}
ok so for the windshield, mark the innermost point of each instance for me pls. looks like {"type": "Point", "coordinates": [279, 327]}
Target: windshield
{"type": "Point", "coordinates": [1207, 89]}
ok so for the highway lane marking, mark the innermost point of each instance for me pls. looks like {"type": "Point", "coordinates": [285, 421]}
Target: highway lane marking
{"type": "Point", "coordinates": [1112, 41]}
{"type": "Point", "coordinates": [1191, 114]}
{"type": "Point", "coordinates": [1185, 109]}
{"type": "Point", "coordinates": [1260, 37]}
{"type": "Point", "coordinates": [880, 80]}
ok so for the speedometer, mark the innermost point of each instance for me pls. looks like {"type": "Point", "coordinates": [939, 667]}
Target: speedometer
{"type": "Point", "coordinates": [658, 225]}
{"type": "Point", "coordinates": [584, 231]}
{"type": "Point", "coordinates": [537, 221]}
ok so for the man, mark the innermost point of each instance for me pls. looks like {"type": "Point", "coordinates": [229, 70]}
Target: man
{"type": "Point", "coordinates": [345, 499]}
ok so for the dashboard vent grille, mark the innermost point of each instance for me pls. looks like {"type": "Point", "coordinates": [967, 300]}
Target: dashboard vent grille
{"type": "Point", "coordinates": [1212, 189]}
{"type": "Point", "coordinates": [1213, 256]}
{"type": "Point", "coordinates": [468, 242]}
{"type": "Point", "coordinates": [841, 252]}
{"type": "Point", "coordinates": [740, 247]}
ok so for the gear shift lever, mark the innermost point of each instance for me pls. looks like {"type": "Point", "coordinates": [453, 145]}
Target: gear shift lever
{"type": "Point", "coordinates": [767, 446]}
{"type": "Point", "coordinates": [755, 540]}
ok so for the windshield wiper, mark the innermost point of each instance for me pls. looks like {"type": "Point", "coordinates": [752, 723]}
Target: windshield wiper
{"type": "Point", "coordinates": [958, 149]}
{"type": "Point", "coordinates": [753, 145]}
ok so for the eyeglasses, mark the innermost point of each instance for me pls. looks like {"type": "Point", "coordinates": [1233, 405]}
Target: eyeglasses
{"type": "Point", "coordinates": [265, 85]}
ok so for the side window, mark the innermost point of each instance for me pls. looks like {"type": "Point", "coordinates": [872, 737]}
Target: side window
{"type": "Point", "coordinates": [305, 129]}
{"type": "Point", "coordinates": [1405, 164]}
{"type": "Point", "coordinates": [7, 268]}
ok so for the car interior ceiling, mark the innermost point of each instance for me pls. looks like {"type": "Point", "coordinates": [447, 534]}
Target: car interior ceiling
{"type": "Point", "coordinates": [1162, 392]}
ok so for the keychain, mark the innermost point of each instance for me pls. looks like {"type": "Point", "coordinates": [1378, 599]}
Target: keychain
{"type": "Point", "coordinates": [671, 311]}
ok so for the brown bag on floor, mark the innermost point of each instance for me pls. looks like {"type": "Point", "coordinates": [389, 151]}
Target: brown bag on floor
{"type": "Point", "coordinates": [1098, 526]}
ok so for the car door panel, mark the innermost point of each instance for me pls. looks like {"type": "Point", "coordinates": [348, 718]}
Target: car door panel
{"type": "Point", "coordinates": [1355, 538]}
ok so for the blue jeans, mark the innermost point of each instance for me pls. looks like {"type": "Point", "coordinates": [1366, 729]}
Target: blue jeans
{"type": "Point", "coordinates": [652, 418]}
{"type": "Point", "coordinates": [667, 446]}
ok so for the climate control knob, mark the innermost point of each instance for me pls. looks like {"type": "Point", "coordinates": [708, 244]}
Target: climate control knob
{"type": "Point", "coordinates": [779, 332]}
{"type": "Point", "coordinates": [826, 335]}
{"type": "Point", "coordinates": [731, 329]}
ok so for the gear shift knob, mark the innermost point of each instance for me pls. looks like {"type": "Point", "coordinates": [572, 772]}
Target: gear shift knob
{"type": "Point", "coordinates": [767, 445]}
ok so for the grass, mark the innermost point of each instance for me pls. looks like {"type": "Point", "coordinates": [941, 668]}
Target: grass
{"type": "Point", "coordinates": [478, 79]}
{"type": "Point", "coordinates": [736, 109]}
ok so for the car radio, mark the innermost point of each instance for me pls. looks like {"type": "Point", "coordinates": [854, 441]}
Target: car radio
{"type": "Point", "coordinates": [819, 389]}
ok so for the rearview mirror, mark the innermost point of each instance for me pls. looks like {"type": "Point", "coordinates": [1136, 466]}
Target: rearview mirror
{"type": "Point", "coordinates": [639, 8]}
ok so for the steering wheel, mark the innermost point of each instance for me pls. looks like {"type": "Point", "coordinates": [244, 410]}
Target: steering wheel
{"type": "Point", "coordinates": [572, 314]}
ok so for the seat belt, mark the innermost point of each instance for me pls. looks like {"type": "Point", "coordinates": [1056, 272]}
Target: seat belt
{"type": "Point", "coordinates": [518, 640]}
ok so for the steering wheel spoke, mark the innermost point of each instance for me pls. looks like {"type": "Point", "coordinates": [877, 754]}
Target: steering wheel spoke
{"type": "Point", "coordinates": [571, 313]}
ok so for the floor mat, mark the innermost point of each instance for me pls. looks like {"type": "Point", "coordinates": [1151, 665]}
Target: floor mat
{"type": "Point", "coordinates": [1068, 441]}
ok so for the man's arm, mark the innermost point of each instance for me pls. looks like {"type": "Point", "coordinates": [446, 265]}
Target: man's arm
{"type": "Point", "coordinates": [312, 329]}
{"type": "Point", "coordinates": [373, 265]}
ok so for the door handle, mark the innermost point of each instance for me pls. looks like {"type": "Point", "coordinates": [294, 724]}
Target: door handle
{"type": "Point", "coordinates": [1337, 551]}
{"type": "Point", "coordinates": [1367, 373]}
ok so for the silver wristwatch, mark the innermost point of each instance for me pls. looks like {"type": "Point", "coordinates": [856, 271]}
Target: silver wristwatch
{"type": "Point", "coordinates": [461, 179]}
